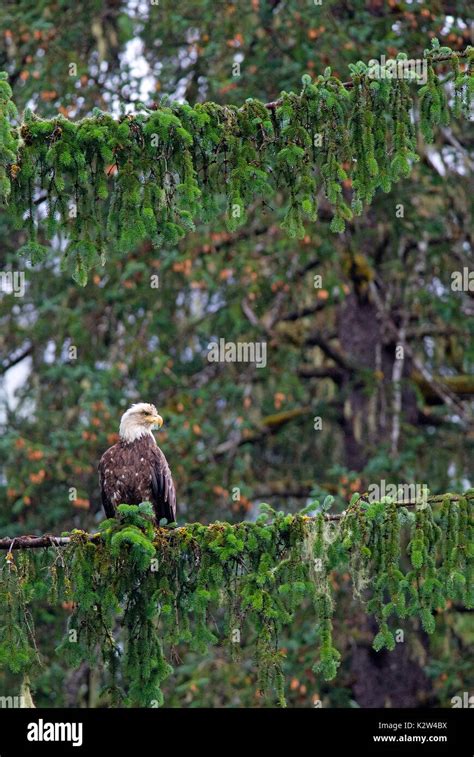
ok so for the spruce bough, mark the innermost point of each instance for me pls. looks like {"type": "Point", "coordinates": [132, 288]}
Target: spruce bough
{"type": "Point", "coordinates": [139, 591]}
{"type": "Point", "coordinates": [150, 175]}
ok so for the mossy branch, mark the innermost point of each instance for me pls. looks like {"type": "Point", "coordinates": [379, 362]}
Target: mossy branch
{"type": "Point", "coordinates": [152, 174]}
{"type": "Point", "coordinates": [48, 540]}
{"type": "Point", "coordinates": [138, 591]}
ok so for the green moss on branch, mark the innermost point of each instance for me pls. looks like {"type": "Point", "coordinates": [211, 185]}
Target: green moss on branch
{"type": "Point", "coordinates": [137, 591]}
{"type": "Point", "coordinates": [152, 174]}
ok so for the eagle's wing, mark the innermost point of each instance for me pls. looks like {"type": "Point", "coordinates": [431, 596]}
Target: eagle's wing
{"type": "Point", "coordinates": [106, 501]}
{"type": "Point", "coordinates": [162, 486]}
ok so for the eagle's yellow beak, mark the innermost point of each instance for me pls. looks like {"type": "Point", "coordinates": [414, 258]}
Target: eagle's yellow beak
{"type": "Point", "coordinates": [156, 420]}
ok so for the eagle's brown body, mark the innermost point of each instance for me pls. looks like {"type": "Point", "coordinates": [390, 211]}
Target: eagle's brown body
{"type": "Point", "coordinates": [135, 472]}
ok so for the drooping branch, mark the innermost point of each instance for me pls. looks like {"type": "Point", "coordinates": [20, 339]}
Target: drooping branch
{"type": "Point", "coordinates": [152, 174]}
{"type": "Point", "coordinates": [162, 586]}
{"type": "Point", "coordinates": [48, 540]}
{"type": "Point", "coordinates": [443, 58]}
{"type": "Point", "coordinates": [460, 385]}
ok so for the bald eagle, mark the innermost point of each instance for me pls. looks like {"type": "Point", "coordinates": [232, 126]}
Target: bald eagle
{"type": "Point", "coordinates": [135, 469]}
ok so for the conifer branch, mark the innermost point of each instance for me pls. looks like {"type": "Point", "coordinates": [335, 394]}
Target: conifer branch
{"type": "Point", "coordinates": [444, 58]}
{"type": "Point", "coordinates": [150, 175]}
{"type": "Point", "coordinates": [162, 585]}
{"type": "Point", "coordinates": [48, 540]}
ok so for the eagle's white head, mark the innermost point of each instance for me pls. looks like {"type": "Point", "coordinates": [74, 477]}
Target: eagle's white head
{"type": "Point", "coordinates": [139, 420]}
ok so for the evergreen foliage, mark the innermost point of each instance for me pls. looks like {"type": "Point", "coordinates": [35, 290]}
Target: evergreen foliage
{"type": "Point", "coordinates": [165, 585]}
{"type": "Point", "coordinates": [65, 412]}
{"type": "Point", "coordinates": [9, 143]}
{"type": "Point", "coordinates": [151, 174]}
